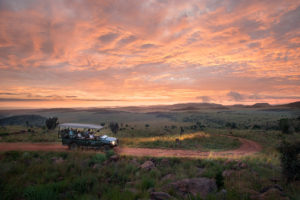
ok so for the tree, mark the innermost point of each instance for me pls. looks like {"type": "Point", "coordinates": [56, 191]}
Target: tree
{"type": "Point", "coordinates": [51, 123]}
{"type": "Point", "coordinates": [114, 127]}
{"type": "Point", "coordinates": [285, 126]}
{"type": "Point", "coordinates": [290, 161]}
{"type": "Point", "coordinates": [181, 130]}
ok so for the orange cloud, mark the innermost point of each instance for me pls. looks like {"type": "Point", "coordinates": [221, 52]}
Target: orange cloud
{"type": "Point", "coordinates": [148, 52]}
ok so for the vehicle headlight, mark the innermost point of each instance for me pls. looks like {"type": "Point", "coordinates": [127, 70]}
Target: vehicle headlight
{"type": "Point", "coordinates": [113, 142]}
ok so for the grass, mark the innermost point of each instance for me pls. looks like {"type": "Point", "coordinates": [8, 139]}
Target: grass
{"type": "Point", "coordinates": [93, 176]}
{"type": "Point", "coordinates": [24, 134]}
{"type": "Point", "coordinates": [194, 141]}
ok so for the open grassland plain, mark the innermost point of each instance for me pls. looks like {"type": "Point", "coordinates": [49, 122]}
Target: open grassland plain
{"type": "Point", "coordinates": [97, 175]}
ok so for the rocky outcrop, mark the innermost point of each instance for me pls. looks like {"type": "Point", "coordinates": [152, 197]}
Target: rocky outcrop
{"type": "Point", "coordinates": [159, 196]}
{"type": "Point", "coordinates": [194, 186]}
{"type": "Point", "coordinates": [148, 165]}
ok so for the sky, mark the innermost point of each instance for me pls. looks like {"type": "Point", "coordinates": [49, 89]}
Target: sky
{"type": "Point", "coordinates": [88, 53]}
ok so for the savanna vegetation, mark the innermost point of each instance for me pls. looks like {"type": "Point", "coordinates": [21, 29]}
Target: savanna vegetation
{"type": "Point", "coordinates": [271, 174]}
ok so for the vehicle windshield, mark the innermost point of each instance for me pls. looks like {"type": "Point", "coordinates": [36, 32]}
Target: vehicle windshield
{"type": "Point", "coordinates": [104, 136]}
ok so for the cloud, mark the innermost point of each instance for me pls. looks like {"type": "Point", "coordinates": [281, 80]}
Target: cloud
{"type": "Point", "coordinates": [205, 99]}
{"type": "Point", "coordinates": [167, 50]}
{"type": "Point", "coordinates": [127, 40]}
{"type": "Point", "coordinates": [147, 46]}
{"type": "Point", "coordinates": [109, 37]}
{"type": "Point", "coordinates": [235, 96]}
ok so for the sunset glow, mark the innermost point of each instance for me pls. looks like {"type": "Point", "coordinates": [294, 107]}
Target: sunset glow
{"type": "Point", "coordinates": [84, 53]}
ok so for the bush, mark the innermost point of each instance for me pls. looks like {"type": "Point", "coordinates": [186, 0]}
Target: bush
{"type": "Point", "coordinates": [40, 192]}
{"type": "Point", "coordinates": [219, 180]}
{"type": "Point", "coordinates": [286, 126]}
{"type": "Point", "coordinates": [97, 159]}
{"type": "Point", "coordinates": [51, 123]}
{"type": "Point", "coordinates": [109, 153]}
{"type": "Point", "coordinates": [290, 160]}
{"type": "Point", "coordinates": [114, 127]}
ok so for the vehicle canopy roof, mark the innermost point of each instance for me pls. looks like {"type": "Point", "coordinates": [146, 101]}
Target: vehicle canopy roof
{"type": "Point", "coordinates": [77, 125]}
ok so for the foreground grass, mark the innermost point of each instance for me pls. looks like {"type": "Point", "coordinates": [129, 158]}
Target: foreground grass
{"type": "Point", "coordinates": [77, 175]}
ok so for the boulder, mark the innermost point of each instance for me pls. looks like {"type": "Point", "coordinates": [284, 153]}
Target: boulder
{"type": "Point", "coordinates": [114, 158]}
{"type": "Point", "coordinates": [57, 160]}
{"type": "Point", "coordinates": [164, 162]}
{"type": "Point", "coordinates": [270, 192]}
{"type": "Point", "coordinates": [276, 186]}
{"type": "Point", "coordinates": [159, 196]}
{"type": "Point", "coordinates": [240, 165]}
{"type": "Point", "coordinates": [168, 177]}
{"type": "Point", "coordinates": [194, 186]}
{"type": "Point", "coordinates": [148, 165]}
{"type": "Point", "coordinates": [227, 173]}
{"type": "Point", "coordinates": [200, 171]}
{"type": "Point", "coordinates": [134, 162]}
{"type": "Point", "coordinates": [273, 193]}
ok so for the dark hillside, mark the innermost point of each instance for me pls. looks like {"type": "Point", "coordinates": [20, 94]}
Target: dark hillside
{"type": "Point", "coordinates": [33, 120]}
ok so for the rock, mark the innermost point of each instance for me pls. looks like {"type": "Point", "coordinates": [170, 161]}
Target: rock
{"type": "Point", "coordinates": [151, 190]}
{"type": "Point", "coordinates": [57, 160]}
{"type": "Point", "coordinates": [164, 162]}
{"type": "Point", "coordinates": [243, 165]}
{"type": "Point", "coordinates": [168, 177]}
{"type": "Point", "coordinates": [221, 195]}
{"type": "Point", "coordinates": [159, 196]}
{"type": "Point", "coordinates": [227, 173]}
{"type": "Point", "coordinates": [273, 193]}
{"type": "Point", "coordinates": [240, 165]}
{"type": "Point", "coordinates": [228, 162]}
{"type": "Point", "coordinates": [133, 190]}
{"type": "Point", "coordinates": [270, 192]}
{"type": "Point", "coordinates": [114, 158]}
{"type": "Point", "coordinates": [97, 166]}
{"type": "Point", "coordinates": [194, 186]}
{"type": "Point", "coordinates": [148, 165]}
{"type": "Point", "coordinates": [276, 186]}
{"type": "Point", "coordinates": [134, 162]}
{"type": "Point", "coordinates": [200, 171]}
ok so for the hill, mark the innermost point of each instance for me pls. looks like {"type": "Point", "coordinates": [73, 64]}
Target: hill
{"type": "Point", "coordinates": [33, 120]}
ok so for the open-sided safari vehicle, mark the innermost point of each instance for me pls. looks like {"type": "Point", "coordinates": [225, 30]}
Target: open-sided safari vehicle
{"type": "Point", "coordinates": [76, 136]}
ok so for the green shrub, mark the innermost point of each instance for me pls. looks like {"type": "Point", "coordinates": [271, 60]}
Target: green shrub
{"type": "Point", "coordinates": [40, 192]}
{"type": "Point", "coordinates": [219, 180]}
{"type": "Point", "coordinates": [109, 153]}
{"type": "Point", "coordinates": [147, 183]}
{"type": "Point", "coordinates": [290, 160]}
{"type": "Point", "coordinates": [83, 184]}
{"type": "Point", "coordinates": [12, 155]}
{"type": "Point", "coordinates": [97, 159]}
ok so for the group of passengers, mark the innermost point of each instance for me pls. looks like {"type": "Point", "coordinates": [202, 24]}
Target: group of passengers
{"type": "Point", "coordinates": [80, 134]}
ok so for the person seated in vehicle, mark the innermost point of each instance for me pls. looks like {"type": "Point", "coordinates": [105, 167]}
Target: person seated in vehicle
{"type": "Point", "coordinates": [91, 136]}
{"type": "Point", "coordinates": [79, 135]}
{"type": "Point", "coordinates": [71, 133]}
{"type": "Point", "coordinates": [85, 135]}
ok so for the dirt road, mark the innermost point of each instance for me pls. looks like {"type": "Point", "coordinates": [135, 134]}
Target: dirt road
{"type": "Point", "coordinates": [248, 147]}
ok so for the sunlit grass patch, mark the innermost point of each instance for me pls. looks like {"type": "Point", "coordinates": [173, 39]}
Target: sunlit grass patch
{"type": "Point", "coordinates": [197, 141]}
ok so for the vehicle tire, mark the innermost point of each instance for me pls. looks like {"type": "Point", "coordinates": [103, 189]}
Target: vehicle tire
{"type": "Point", "coordinates": [73, 146]}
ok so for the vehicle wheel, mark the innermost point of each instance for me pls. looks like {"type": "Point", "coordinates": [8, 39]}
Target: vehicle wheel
{"type": "Point", "coordinates": [73, 146]}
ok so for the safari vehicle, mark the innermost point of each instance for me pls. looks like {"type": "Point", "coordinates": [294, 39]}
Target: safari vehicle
{"type": "Point", "coordinates": [76, 136]}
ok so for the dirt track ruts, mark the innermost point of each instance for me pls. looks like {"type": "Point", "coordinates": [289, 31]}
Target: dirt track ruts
{"type": "Point", "coordinates": [247, 147]}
